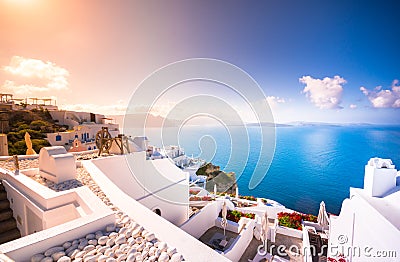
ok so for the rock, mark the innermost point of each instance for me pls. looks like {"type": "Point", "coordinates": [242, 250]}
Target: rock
{"type": "Point", "coordinates": [102, 258]}
{"type": "Point", "coordinates": [58, 255]}
{"type": "Point", "coordinates": [80, 254]}
{"type": "Point", "coordinates": [108, 252]}
{"type": "Point", "coordinates": [171, 251]}
{"type": "Point", "coordinates": [90, 253]}
{"type": "Point", "coordinates": [137, 231]}
{"type": "Point", "coordinates": [52, 250]}
{"type": "Point", "coordinates": [110, 242]}
{"type": "Point", "coordinates": [145, 253]}
{"type": "Point", "coordinates": [111, 260]}
{"type": "Point", "coordinates": [122, 257]}
{"type": "Point", "coordinates": [110, 227]}
{"type": "Point", "coordinates": [131, 241]}
{"type": "Point", "coordinates": [92, 242]}
{"type": "Point", "coordinates": [131, 250]}
{"type": "Point", "coordinates": [176, 257]}
{"type": "Point", "coordinates": [150, 237]}
{"type": "Point", "coordinates": [123, 230]}
{"type": "Point", "coordinates": [83, 244]}
{"type": "Point", "coordinates": [90, 259]}
{"type": "Point", "coordinates": [162, 246]}
{"type": "Point", "coordinates": [113, 235]}
{"type": "Point", "coordinates": [64, 259]}
{"type": "Point", "coordinates": [73, 247]}
{"type": "Point", "coordinates": [89, 248]}
{"type": "Point", "coordinates": [47, 259]}
{"type": "Point", "coordinates": [131, 257]}
{"type": "Point", "coordinates": [145, 232]}
{"type": "Point", "coordinates": [163, 257]}
{"type": "Point", "coordinates": [101, 249]}
{"type": "Point", "coordinates": [37, 257]}
{"type": "Point", "coordinates": [67, 245]}
{"type": "Point", "coordinates": [139, 240]}
{"type": "Point", "coordinates": [126, 220]}
{"type": "Point", "coordinates": [73, 253]}
{"type": "Point", "coordinates": [90, 236]}
{"type": "Point", "coordinates": [98, 234]}
{"type": "Point", "coordinates": [121, 239]}
{"type": "Point", "coordinates": [140, 247]}
{"type": "Point", "coordinates": [152, 259]}
{"type": "Point", "coordinates": [103, 240]}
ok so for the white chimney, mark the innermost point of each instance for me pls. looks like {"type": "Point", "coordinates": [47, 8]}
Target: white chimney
{"type": "Point", "coordinates": [380, 176]}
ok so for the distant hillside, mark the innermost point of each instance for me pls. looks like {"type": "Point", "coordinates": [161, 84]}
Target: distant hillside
{"type": "Point", "coordinates": [226, 182]}
{"type": "Point", "coordinates": [151, 121]}
{"type": "Point", "coordinates": [36, 122]}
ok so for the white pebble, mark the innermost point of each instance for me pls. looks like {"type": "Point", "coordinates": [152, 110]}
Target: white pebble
{"type": "Point", "coordinates": [110, 242]}
{"type": "Point", "coordinates": [89, 248]}
{"type": "Point", "coordinates": [102, 240]}
{"type": "Point", "coordinates": [162, 246]}
{"type": "Point", "coordinates": [120, 239]}
{"type": "Point", "coordinates": [176, 257]}
{"type": "Point", "coordinates": [92, 242]}
{"type": "Point", "coordinates": [64, 259]}
{"type": "Point", "coordinates": [130, 258]}
{"type": "Point", "coordinates": [171, 251]}
{"type": "Point", "coordinates": [163, 257]}
{"type": "Point", "coordinates": [150, 237]}
{"type": "Point", "coordinates": [57, 255]}
{"type": "Point", "coordinates": [102, 258]}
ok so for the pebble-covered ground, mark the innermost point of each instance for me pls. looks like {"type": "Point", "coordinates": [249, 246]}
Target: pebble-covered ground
{"type": "Point", "coordinates": [123, 241]}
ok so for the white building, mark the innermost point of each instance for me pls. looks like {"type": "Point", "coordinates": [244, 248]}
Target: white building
{"type": "Point", "coordinates": [72, 118]}
{"type": "Point", "coordinates": [368, 227]}
{"type": "Point", "coordinates": [86, 133]}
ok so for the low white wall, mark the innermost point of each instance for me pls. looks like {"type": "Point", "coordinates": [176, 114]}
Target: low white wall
{"type": "Point", "coordinates": [37, 207]}
{"type": "Point", "coordinates": [289, 232]}
{"type": "Point", "coordinates": [203, 220]}
{"type": "Point", "coordinates": [306, 247]}
{"type": "Point", "coordinates": [157, 184]}
{"type": "Point", "coordinates": [19, 205]}
{"type": "Point", "coordinates": [188, 246]}
{"type": "Point", "coordinates": [241, 242]}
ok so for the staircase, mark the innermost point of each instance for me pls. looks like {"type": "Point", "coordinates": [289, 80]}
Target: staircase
{"type": "Point", "coordinates": [8, 225]}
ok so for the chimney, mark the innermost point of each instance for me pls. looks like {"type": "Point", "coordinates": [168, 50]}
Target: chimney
{"type": "Point", "coordinates": [380, 177]}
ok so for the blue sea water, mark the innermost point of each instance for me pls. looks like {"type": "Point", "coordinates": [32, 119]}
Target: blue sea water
{"type": "Point", "coordinates": [311, 163]}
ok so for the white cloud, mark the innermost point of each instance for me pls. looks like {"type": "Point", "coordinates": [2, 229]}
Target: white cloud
{"type": "Point", "coordinates": [274, 100]}
{"type": "Point", "coordinates": [353, 106]}
{"type": "Point", "coordinates": [118, 109]}
{"type": "Point", "coordinates": [324, 93]}
{"type": "Point", "coordinates": [384, 98]}
{"type": "Point", "coordinates": [51, 76]}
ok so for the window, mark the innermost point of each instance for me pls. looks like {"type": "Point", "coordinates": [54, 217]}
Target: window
{"type": "Point", "coordinates": [58, 138]}
{"type": "Point", "coordinates": [157, 211]}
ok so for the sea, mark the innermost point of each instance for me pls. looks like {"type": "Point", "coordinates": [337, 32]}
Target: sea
{"type": "Point", "coordinates": [310, 163]}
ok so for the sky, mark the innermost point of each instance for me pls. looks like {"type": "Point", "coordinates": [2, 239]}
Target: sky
{"type": "Point", "coordinates": [317, 61]}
